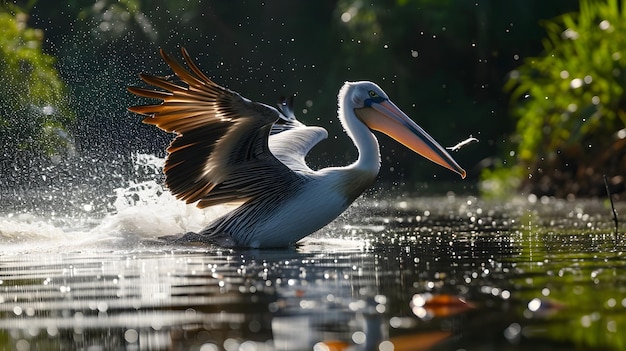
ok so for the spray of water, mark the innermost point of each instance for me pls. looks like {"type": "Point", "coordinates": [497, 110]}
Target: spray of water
{"type": "Point", "coordinates": [81, 217]}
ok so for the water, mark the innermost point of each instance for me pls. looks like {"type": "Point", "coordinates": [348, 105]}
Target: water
{"type": "Point", "coordinates": [449, 272]}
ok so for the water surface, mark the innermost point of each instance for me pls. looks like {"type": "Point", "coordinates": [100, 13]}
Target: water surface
{"type": "Point", "coordinates": [437, 273]}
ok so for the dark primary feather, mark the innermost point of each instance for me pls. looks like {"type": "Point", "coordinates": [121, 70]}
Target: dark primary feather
{"type": "Point", "coordinates": [221, 151]}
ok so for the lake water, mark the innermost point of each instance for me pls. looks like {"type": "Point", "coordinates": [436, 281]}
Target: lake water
{"type": "Point", "coordinates": [449, 272]}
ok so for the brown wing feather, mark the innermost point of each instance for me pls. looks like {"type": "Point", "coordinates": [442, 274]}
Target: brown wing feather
{"type": "Point", "coordinates": [221, 150]}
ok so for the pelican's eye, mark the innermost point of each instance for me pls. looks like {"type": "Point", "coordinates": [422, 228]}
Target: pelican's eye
{"type": "Point", "coordinates": [373, 98]}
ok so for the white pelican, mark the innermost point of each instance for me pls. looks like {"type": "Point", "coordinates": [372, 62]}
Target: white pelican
{"type": "Point", "coordinates": [229, 149]}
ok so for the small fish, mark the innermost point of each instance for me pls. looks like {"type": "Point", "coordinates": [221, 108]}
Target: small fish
{"type": "Point", "coordinates": [465, 142]}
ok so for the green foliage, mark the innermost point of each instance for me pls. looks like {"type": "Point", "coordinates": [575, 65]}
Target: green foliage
{"type": "Point", "coordinates": [34, 115]}
{"type": "Point", "coordinates": [570, 102]}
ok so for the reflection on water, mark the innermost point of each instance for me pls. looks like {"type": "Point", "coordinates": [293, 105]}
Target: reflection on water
{"type": "Point", "coordinates": [445, 273]}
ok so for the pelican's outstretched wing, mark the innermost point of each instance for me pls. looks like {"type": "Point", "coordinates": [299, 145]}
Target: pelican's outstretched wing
{"type": "Point", "coordinates": [221, 152]}
{"type": "Point", "coordinates": [290, 141]}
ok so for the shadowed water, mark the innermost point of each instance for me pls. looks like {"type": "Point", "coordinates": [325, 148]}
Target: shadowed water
{"type": "Point", "coordinates": [440, 273]}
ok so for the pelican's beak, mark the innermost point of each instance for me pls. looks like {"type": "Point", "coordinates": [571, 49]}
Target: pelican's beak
{"type": "Point", "coordinates": [387, 118]}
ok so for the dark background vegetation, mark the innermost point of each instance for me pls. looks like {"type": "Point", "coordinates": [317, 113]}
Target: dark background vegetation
{"type": "Point", "coordinates": [445, 63]}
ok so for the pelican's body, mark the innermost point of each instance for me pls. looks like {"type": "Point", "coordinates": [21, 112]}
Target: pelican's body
{"type": "Point", "coordinates": [230, 149]}
{"type": "Point", "coordinates": [286, 218]}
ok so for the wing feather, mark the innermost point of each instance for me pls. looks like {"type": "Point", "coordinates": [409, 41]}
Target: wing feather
{"type": "Point", "coordinates": [290, 140]}
{"type": "Point", "coordinates": [291, 146]}
{"type": "Point", "coordinates": [221, 152]}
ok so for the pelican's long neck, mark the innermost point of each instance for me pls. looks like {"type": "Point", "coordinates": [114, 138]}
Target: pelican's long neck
{"type": "Point", "coordinates": [365, 142]}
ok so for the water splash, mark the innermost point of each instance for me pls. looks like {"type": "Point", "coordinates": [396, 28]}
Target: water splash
{"type": "Point", "coordinates": [146, 210]}
{"type": "Point", "coordinates": [141, 210]}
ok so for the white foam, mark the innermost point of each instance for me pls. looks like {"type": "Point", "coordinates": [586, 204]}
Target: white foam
{"type": "Point", "coordinates": [146, 210]}
{"type": "Point", "coordinates": [26, 227]}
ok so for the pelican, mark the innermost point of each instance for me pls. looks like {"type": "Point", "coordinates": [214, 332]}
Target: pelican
{"type": "Point", "coordinates": [229, 149]}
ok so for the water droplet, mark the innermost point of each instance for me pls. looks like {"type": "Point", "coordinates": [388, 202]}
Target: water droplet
{"type": "Point", "coordinates": [595, 100]}
{"type": "Point", "coordinates": [209, 347]}
{"type": "Point", "coordinates": [17, 310]}
{"type": "Point", "coordinates": [48, 110]}
{"type": "Point", "coordinates": [570, 34]}
{"type": "Point", "coordinates": [585, 321]}
{"type": "Point", "coordinates": [576, 83]}
{"type": "Point", "coordinates": [604, 25]}
{"type": "Point", "coordinates": [52, 330]}
{"type": "Point", "coordinates": [359, 337]}
{"type": "Point", "coordinates": [131, 336]}
{"type": "Point", "coordinates": [512, 332]}
{"type": "Point", "coordinates": [534, 305]}
{"type": "Point", "coordinates": [320, 346]}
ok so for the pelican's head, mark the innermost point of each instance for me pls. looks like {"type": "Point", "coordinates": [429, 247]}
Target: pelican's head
{"type": "Point", "coordinates": [372, 107]}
